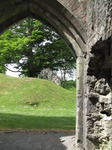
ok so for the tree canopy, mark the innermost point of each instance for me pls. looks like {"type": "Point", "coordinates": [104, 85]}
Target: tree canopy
{"type": "Point", "coordinates": [33, 46]}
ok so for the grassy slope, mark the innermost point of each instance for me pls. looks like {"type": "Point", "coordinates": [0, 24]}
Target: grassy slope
{"type": "Point", "coordinates": [30, 103]}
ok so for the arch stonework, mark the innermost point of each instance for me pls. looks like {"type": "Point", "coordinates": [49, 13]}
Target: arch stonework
{"type": "Point", "coordinates": [86, 26]}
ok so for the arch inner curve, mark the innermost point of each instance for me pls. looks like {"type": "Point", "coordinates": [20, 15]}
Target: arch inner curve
{"type": "Point", "coordinates": [52, 13]}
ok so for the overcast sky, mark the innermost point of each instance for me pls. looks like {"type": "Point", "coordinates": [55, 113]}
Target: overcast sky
{"type": "Point", "coordinates": [10, 73]}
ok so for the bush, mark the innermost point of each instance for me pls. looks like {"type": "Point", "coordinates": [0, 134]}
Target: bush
{"type": "Point", "coordinates": [71, 84]}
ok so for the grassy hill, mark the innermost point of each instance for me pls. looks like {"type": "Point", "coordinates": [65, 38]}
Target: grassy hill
{"type": "Point", "coordinates": [30, 103]}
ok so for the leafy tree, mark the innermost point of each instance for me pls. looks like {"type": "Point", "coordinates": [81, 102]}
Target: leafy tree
{"type": "Point", "coordinates": [33, 47]}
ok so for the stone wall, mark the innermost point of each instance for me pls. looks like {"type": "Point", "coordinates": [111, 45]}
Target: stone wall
{"type": "Point", "coordinates": [99, 18]}
{"type": "Point", "coordinates": [98, 80]}
{"type": "Point", "coordinates": [99, 96]}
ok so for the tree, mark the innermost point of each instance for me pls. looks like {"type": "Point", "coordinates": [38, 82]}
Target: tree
{"type": "Point", "coordinates": [33, 47]}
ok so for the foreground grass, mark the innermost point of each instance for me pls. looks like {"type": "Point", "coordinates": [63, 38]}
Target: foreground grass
{"type": "Point", "coordinates": [29, 103]}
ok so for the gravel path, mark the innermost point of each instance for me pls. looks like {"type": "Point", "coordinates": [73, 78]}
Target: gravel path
{"type": "Point", "coordinates": [37, 141]}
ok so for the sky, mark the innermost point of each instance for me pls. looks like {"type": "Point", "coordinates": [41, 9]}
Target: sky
{"type": "Point", "coordinates": [10, 73]}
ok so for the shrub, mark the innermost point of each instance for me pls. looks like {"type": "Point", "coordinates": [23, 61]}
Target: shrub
{"type": "Point", "coordinates": [71, 84]}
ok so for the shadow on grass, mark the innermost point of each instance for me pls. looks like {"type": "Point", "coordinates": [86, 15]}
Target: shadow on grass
{"type": "Point", "coordinates": [14, 121]}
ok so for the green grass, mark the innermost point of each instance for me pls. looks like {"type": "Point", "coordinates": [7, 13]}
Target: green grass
{"type": "Point", "coordinates": [30, 103]}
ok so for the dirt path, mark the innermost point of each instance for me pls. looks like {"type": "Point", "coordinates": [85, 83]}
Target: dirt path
{"type": "Point", "coordinates": [37, 141]}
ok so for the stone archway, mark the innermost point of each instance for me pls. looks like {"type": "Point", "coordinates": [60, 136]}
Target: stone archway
{"type": "Point", "coordinates": [60, 17]}
{"type": "Point", "coordinates": [81, 23]}
{"type": "Point", "coordinates": [54, 14]}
